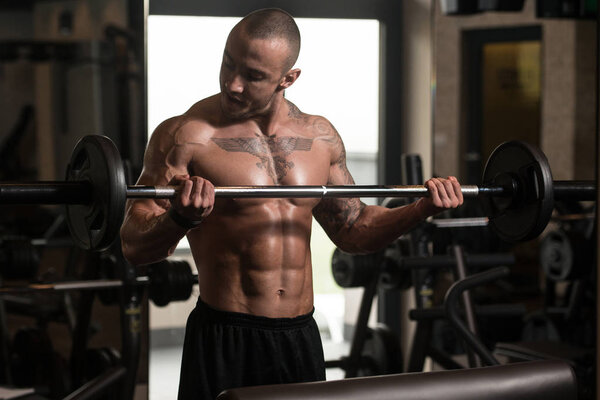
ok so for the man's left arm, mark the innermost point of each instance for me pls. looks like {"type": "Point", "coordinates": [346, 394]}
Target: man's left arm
{"type": "Point", "coordinates": [359, 228]}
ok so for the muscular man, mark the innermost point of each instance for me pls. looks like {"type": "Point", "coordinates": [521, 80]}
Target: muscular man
{"type": "Point", "coordinates": [253, 322]}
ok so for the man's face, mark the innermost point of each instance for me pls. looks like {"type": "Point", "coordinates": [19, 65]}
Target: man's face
{"type": "Point", "coordinates": [251, 72]}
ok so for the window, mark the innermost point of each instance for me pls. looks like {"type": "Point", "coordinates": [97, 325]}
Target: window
{"type": "Point", "coordinates": [339, 60]}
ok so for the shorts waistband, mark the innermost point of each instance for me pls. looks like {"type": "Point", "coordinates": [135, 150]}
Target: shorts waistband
{"type": "Point", "coordinates": [253, 321]}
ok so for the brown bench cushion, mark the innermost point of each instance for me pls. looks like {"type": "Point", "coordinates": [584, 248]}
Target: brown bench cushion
{"type": "Point", "coordinates": [537, 380]}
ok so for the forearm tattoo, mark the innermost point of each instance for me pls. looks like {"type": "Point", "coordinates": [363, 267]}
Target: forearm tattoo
{"type": "Point", "coordinates": [335, 214]}
{"type": "Point", "coordinates": [270, 150]}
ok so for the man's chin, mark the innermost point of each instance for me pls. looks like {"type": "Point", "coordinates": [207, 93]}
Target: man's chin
{"type": "Point", "coordinates": [233, 112]}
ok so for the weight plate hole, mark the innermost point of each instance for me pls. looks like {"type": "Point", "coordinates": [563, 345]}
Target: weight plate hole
{"type": "Point", "coordinates": [81, 161]}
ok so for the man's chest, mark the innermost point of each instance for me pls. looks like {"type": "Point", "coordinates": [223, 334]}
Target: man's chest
{"type": "Point", "coordinates": [263, 160]}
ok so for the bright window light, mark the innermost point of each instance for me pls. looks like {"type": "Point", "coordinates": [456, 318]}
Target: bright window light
{"type": "Point", "coordinates": [339, 59]}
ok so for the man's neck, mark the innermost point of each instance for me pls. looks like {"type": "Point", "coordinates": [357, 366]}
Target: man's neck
{"type": "Point", "coordinates": [276, 114]}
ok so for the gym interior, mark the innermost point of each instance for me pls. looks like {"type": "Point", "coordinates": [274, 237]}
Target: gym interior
{"type": "Point", "coordinates": [488, 300]}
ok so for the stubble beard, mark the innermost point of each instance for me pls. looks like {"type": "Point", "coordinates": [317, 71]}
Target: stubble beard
{"type": "Point", "coordinates": [244, 112]}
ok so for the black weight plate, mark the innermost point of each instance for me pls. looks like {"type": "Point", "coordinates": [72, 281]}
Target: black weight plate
{"type": "Point", "coordinates": [170, 280]}
{"type": "Point", "coordinates": [183, 280]}
{"type": "Point", "coordinates": [566, 255]}
{"type": "Point", "coordinates": [354, 270]}
{"type": "Point", "coordinates": [526, 214]}
{"type": "Point", "coordinates": [556, 255]}
{"type": "Point", "coordinates": [96, 160]}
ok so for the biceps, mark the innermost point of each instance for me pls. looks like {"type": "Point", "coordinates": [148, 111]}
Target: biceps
{"type": "Point", "coordinates": [339, 174]}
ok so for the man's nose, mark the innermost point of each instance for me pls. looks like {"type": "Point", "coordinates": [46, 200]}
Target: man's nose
{"type": "Point", "coordinates": [235, 83]}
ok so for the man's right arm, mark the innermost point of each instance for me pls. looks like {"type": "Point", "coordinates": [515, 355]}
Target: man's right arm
{"type": "Point", "coordinates": [149, 233]}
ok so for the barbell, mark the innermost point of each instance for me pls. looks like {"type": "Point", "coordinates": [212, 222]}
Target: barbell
{"type": "Point", "coordinates": [167, 280]}
{"type": "Point", "coordinates": [393, 269]}
{"type": "Point", "coordinates": [518, 192]}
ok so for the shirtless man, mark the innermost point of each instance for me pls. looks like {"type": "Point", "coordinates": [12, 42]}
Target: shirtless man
{"type": "Point", "coordinates": [253, 322]}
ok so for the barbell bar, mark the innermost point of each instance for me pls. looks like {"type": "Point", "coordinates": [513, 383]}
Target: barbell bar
{"type": "Point", "coordinates": [61, 192]}
{"type": "Point", "coordinates": [168, 280]}
{"type": "Point", "coordinates": [80, 192]}
{"type": "Point", "coordinates": [94, 284]}
{"type": "Point", "coordinates": [517, 191]}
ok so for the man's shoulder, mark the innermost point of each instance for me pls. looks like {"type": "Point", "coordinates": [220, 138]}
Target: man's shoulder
{"type": "Point", "coordinates": [199, 119]}
{"type": "Point", "coordinates": [174, 127]}
{"type": "Point", "coordinates": [206, 108]}
{"type": "Point", "coordinates": [315, 125]}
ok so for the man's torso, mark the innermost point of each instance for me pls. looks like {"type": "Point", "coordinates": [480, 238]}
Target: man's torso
{"type": "Point", "coordinates": [253, 255]}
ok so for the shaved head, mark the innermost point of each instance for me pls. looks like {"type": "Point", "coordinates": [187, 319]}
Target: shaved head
{"type": "Point", "coordinates": [273, 23]}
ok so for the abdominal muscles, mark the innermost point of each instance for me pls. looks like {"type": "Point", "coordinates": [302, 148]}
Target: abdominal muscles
{"type": "Point", "coordinates": [253, 256]}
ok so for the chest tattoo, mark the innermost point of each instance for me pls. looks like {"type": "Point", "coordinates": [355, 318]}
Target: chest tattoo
{"type": "Point", "coordinates": [270, 150]}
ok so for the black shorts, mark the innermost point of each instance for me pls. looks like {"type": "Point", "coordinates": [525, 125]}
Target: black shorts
{"type": "Point", "coordinates": [224, 350]}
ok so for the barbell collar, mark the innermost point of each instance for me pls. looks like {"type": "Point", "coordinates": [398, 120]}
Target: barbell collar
{"type": "Point", "coordinates": [460, 222]}
{"type": "Point", "coordinates": [575, 190]}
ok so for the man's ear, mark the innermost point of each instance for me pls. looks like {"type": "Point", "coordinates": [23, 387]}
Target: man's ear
{"type": "Point", "coordinates": [289, 78]}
